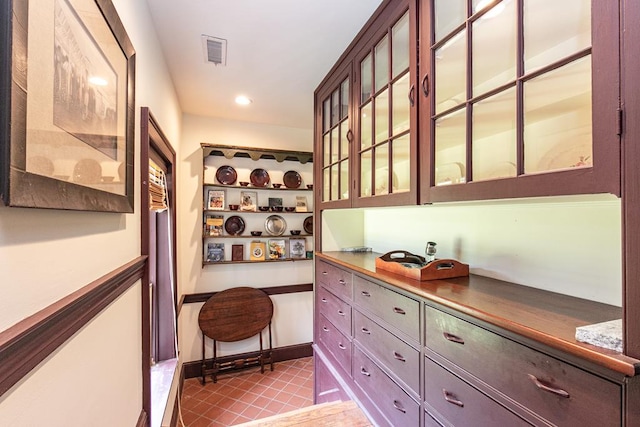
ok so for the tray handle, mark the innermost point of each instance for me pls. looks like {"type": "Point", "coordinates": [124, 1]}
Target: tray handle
{"type": "Point", "coordinates": [402, 256]}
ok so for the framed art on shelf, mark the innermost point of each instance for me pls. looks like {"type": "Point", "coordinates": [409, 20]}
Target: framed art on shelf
{"type": "Point", "coordinates": [297, 247]}
{"type": "Point", "coordinates": [215, 200]}
{"type": "Point", "coordinates": [68, 139]}
{"type": "Point", "coordinates": [301, 204]}
{"type": "Point", "coordinates": [258, 251]}
{"type": "Point", "coordinates": [248, 201]}
{"type": "Point", "coordinates": [215, 252]}
{"type": "Point", "coordinates": [214, 224]}
{"type": "Point", "coordinates": [277, 249]}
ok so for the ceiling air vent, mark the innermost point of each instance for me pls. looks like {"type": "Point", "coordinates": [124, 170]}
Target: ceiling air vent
{"type": "Point", "coordinates": [215, 50]}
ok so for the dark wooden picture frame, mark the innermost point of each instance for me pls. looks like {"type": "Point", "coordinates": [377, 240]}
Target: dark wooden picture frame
{"type": "Point", "coordinates": [96, 129]}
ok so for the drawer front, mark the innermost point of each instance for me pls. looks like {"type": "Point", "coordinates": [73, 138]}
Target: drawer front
{"type": "Point", "coordinates": [401, 359]}
{"type": "Point", "coordinates": [327, 387]}
{"type": "Point", "coordinates": [335, 343]}
{"type": "Point", "coordinates": [386, 395]}
{"type": "Point", "coordinates": [460, 404]}
{"type": "Point", "coordinates": [339, 281]}
{"type": "Point", "coordinates": [557, 391]}
{"type": "Point", "coordinates": [396, 309]}
{"type": "Point", "coordinates": [333, 308]}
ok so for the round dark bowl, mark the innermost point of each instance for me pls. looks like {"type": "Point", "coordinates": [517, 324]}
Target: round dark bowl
{"type": "Point", "coordinates": [277, 185]}
{"type": "Point", "coordinates": [276, 208]}
{"type": "Point", "coordinates": [234, 207]}
{"type": "Point", "coordinates": [295, 232]}
{"type": "Point", "coordinates": [263, 208]}
{"type": "Point", "coordinates": [256, 233]}
{"type": "Point", "coordinates": [310, 186]}
{"type": "Point", "coordinates": [244, 183]}
{"type": "Point", "coordinates": [290, 208]}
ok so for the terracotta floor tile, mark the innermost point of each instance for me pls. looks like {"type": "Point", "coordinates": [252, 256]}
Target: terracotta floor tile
{"type": "Point", "coordinates": [251, 412]}
{"type": "Point", "coordinates": [275, 406]}
{"type": "Point", "coordinates": [283, 397]}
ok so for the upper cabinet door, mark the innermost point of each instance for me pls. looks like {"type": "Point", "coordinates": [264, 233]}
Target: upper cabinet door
{"type": "Point", "coordinates": [519, 98]}
{"type": "Point", "coordinates": [333, 136]}
{"type": "Point", "coordinates": [385, 109]}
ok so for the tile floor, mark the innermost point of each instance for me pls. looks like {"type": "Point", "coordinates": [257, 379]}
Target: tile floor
{"type": "Point", "coordinates": [248, 395]}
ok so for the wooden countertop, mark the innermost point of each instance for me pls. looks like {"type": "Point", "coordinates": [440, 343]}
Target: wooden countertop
{"type": "Point", "coordinates": [546, 317]}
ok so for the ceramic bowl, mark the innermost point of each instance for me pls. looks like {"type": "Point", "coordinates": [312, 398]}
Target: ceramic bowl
{"type": "Point", "coordinates": [263, 208]}
{"type": "Point", "coordinates": [234, 207]}
{"type": "Point", "coordinates": [256, 233]}
{"type": "Point", "coordinates": [277, 185]}
{"type": "Point", "coordinates": [244, 183]}
{"type": "Point", "coordinates": [295, 232]}
{"type": "Point", "coordinates": [290, 208]}
{"type": "Point", "coordinates": [310, 186]}
{"type": "Point", "coordinates": [276, 208]}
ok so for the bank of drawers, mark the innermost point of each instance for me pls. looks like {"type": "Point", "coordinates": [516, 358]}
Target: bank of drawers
{"type": "Point", "coordinates": [554, 390]}
{"type": "Point", "coordinates": [335, 342]}
{"type": "Point", "coordinates": [337, 280]}
{"type": "Point", "coordinates": [333, 308]}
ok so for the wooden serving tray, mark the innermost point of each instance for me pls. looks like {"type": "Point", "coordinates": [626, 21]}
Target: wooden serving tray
{"type": "Point", "coordinates": [438, 269]}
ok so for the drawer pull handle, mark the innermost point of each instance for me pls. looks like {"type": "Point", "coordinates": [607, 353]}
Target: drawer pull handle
{"type": "Point", "coordinates": [324, 300]}
{"type": "Point", "coordinates": [453, 338]}
{"type": "Point", "coordinates": [324, 273]}
{"type": "Point", "coordinates": [451, 398]}
{"type": "Point", "coordinates": [365, 331]}
{"type": "Point", "coordinates": [341, 313]}
{"type": "Point", "coordinates": [364, 372]}
{"type": "Point", "coordinates": [399, 407]}
{"type": "Point", "coordinates": [324, 328]}
{"type": "Point", "coordinates": [342, 347]}
{"type": "Point", "coordinates": [399, 357]}
{"type": "Point", "coordinates": [398, 310]}
{"type": "Point", "coordinates": [342, 282]}
{"type": "Point", "coordinates": [542, 386]}
{"type": "Point", "coordinates": [365, 294]}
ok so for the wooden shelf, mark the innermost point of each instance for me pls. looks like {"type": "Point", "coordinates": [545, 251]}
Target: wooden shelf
{"type": "Point", "coordinates": [229, 152]}
{"type": "Point", "coordinates": [249, 187]}
{"type": "Point", "coordinates": [264, 236]}
{"type": "Point", "coordinates": [238, 212]}
{"type": "Point", "coordinates": [246, 261]}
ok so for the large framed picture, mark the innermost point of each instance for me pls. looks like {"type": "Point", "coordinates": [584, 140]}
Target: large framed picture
{"type": "Point", "coordinates": [66, 106]}
{"type": "Point", "coordinates": [248, 201]}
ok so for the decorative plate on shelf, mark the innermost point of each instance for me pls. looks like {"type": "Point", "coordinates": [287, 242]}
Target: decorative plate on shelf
{"type": "Point", "coordinates": [308, 225]}
{"type": "Point", "coordinates": [234, 225]}
{"type": "Point", "coordinates": [275, 225]}
{"type": "Point", "coordinates": [259, 177]}
{"type": "Point", "coordinates": [292, 179]}
{"type": "Point", "coordinates": [226, 175]}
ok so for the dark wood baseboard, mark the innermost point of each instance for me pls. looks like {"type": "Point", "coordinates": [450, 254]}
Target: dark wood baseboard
{"type": "Point", "coordinates": [31, 340]}
{"type": "Point", "coordinates": [280, 354]}
{"type": "Point", "coordinates": [143, 419]}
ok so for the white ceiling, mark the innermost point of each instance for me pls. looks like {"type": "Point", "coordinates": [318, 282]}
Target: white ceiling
{"type": "Point", "coordinates": [278, 52]}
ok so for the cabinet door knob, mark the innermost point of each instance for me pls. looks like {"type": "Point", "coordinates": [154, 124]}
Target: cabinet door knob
{"type": "Point", "coordinates": [365, 331]}
{"type": "Point", "coordinates": [451, 398]}
{"type": "Point", "coordinates": [425, 85]}
{"type": "Point", "coordinates": [542, 386]}
{"type": "Point", "coordinates": [453, 338]}
{"type": "Point", "coordinates": [399, 357]}
{"type": "Point", "coordinates": [397, 405]}
{"type": "Point", "coordinates": [364, 372]}
{"type": "Point", "coordinates": [349, 135]}
{"type": "Point", "coordinates": [411, 98]}
{"type": "Point", "coordinates": [398, 310]}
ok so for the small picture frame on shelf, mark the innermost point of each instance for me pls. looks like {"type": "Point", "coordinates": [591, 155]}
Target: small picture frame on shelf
{"type": "Point", "coordinates": [248, 201]}
{"type": "Point", "coordinates": [214, 224]}
{"type": "Point", "coordinates": [258, 251]}
{"type": "Point", "coordinates": [277, 249]}
{"type": "Point", "coordinates": [297, 248]}
{"type": "Point", "coordinates": [237, 252]}
{"type": "Point", "coordinates": [215, 200]}
{"type": "Point", "coordinates": [301, 204]}
{"type": "Point", "coordinates": [215, 252]}
{"type": "Point", "coordinates": [275, 202]}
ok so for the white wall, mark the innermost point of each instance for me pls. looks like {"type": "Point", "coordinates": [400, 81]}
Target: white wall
{"type": "Point", "coordinates": [569, 245]}
{"type": "Point", "coordinates": [293, 313]}
{"type": "Point", "coordinates": [47, 254]}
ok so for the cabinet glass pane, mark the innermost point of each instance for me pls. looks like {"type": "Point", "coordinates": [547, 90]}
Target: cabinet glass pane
{"type": "Point", "coordinates": [366, 126]}
{"type": "Point", "coordinates": [326, 149]}
{"type": "Point", "coordinates": [493, 67]}
{"type": "Point", "coordinates": [382, 63]}
{"type": "Point", "coordinates": [381, 183]}
{"type": "Point", "coordinates": [554, 30]}
{"type": "Point", "coordinates": [494, 137]}
{"type": "Point", "coordinates": [335, 173]}
{"type": "Point", "coordinates": [344, 99]}
{"type": "Point", "coordinates": [365, 173]}
{"type": "Point", "coordinates": [366, 78]}
{"type": "Point", "coordinates": [400, 164]}
{"type": "Point", "coordinates": [381, 104]}
{"type": "Point", "coordinates": [400, 105]}
{"type": "Point", "coordinates": [344, 179]}
{"type": "Point", "coordinates": [335, 107]}
{"type": "Point", "coordinates": [326, 185]}
{"type": "Point", "coordinates": [557, 118]}
{"type": "Point", "coordinates": [326, 115]}
{"type": "Point", "coordinates": [449, 14]}
{"type": "Point", "coordinates": [334, 145]}
{"type": "Point", "coordinates": [451, 73]}
{"type": "Point", "coordinates": [400, 46]}
{"type": "Point", "coordinates": [344, 142]}
{"type": "Point", "coordinates": [450, 148]}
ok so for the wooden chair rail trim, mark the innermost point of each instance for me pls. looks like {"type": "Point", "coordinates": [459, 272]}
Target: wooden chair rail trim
{"type": "Point", "coordinates": [31, 340]}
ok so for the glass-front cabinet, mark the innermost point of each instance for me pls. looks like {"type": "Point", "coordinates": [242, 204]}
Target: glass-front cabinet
{"type": "Point", "coordinates": [519, 98]}
{"type": "Point", "coordinates": [366, 126]}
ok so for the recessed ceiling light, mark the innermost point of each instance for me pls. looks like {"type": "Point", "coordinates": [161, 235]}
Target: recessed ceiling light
{"type": "Point", "coordinates": [243, 100]}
